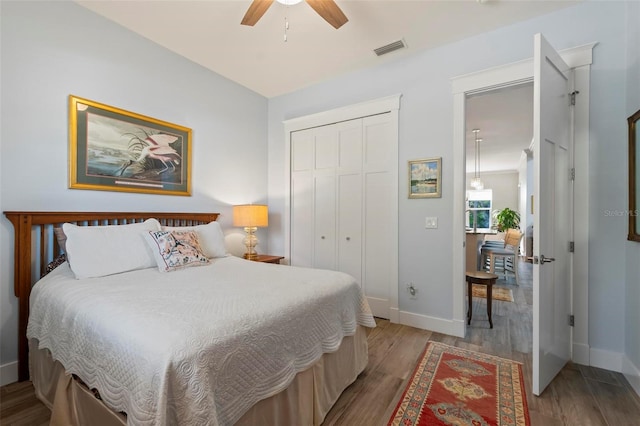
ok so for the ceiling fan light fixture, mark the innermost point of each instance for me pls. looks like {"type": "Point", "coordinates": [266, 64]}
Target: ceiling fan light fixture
{"type": "Point", "coordinates": [327, 9]}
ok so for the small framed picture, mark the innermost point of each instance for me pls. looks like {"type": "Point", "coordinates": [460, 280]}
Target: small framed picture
{"type": "Point", "coordinates": [425, 178]}
{"type": "Point", "coordinates": [111, 149]}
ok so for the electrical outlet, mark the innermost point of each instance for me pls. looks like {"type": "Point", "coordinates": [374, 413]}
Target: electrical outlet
{"type": "Point", "coordinates": [412, 290]}
{"type": "Point", "coordinates": [431, 223]}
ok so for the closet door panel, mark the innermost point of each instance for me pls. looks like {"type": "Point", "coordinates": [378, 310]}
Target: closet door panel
{"type": "Point", "coordinates": [324, 234]}
{"type": "Point", "coordinates": [302, 149]}
{"type": "Point", "coordinates": [349, 146]}
{"type": "Point", "coordinates": [349, 213]}
{"type": "Point", "coordinates": [378, 151]}
{"type": "Point", "coordinates": [379, 234]}
{"type": "Point", "coordinates": [352, 187]}
{"type": "Point", "coordinates": [350, 225]}
{"type": "Point", "coordinates": [380, 165]}
{"type": "Point", "coordinates": [302, 219]}
{"type": "Point", "coordinates": [325, 148]}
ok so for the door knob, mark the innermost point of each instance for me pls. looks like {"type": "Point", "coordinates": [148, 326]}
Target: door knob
{"type": "Point", "coordinates": [541, 260]}
{"type": "Point", "coordinates": [348, 238]}
{"type": "Point", "coordinates": [322, 237]}
{"type": "Point", "coordinates": [546, 259]}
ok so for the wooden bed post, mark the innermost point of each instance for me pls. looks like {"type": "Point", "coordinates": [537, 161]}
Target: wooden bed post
{"type": "Point", "coordinates": [22, 285]}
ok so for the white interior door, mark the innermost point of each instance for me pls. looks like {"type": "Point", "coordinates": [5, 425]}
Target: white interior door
{"type": "Point", "coordinates": [379, 174]}
{"type": "Point", "coordinates": [552, 220]}
{"type": "Point", "coordinates": [302, 198]}
{"type": "Point", "coordinates": [354, 150]}
{"type": "Point", "coordinates": [324, 211]}
{"type": "Point", "coordinates": [344, 203]}
{"type": "Point", "coordinates": [349, 188]}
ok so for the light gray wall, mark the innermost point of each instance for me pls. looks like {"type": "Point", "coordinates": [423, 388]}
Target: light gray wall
{"type": "Point", "coordinates": [632, 312]}
{"type": "Point", "coordinates": [53, 49]}
{"type": "Point", "coordinates": [504, 186]}
{"type": "Point", "coordinates": [426, 120]}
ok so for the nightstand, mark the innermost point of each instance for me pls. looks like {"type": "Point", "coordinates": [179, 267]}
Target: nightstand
{"type": "Point", "coordinates": [265, 258]}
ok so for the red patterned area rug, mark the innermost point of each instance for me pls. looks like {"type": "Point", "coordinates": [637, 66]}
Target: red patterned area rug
{"type": "Point", "coordinates": [454, 386]}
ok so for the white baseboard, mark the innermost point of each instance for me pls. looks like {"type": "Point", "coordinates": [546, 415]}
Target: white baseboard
{"type": "Point", "coordinates": [8, 373]}
{"type": "Point", "coordinates": [449, 327]}
{"type": "Point", "coordinates": [379, 307]}
{"type": "Point", "coordinates": [394, 315]}
{"type": "Point", "coordinates": [605, 359]}
{"type": "Point", "coordinates": [580, 354]}
{"type": "Point", "coordinates": [632, 374]}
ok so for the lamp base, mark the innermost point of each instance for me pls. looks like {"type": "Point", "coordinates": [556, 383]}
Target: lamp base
{"type": "Point", "coordinates": [250, 242]}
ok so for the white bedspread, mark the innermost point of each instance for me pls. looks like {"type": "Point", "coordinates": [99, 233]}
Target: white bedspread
{"type": "Point", "coordinates": [198, 346]}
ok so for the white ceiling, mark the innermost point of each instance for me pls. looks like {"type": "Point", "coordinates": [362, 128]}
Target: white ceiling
{"type": "Point", "coordinates": [209, 33]}
{"type": "Point", "coordinates": [505, 120]}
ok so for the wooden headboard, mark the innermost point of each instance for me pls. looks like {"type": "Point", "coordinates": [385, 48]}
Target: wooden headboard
{"type": "Point", "coordinates": [35, 247]}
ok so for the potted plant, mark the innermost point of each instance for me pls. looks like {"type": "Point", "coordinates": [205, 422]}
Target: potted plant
{"type": "Point", "coordinates": [506, 219]}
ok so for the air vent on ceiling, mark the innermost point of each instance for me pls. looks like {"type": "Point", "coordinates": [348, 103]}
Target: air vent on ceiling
{"type": "Point", "coordinates": [383, 50]}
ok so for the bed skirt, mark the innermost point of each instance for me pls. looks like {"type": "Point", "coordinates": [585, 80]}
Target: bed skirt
{"type": "Point", "coordinates": [306, 401]}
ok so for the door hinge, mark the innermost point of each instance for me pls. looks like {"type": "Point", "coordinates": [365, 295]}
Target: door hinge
{"type": "Point", "coordinates": [572, 97]}
{"type": "Point", "coordinates": [572, 174]}
{"type": "Point", "coordinates": [572, 320]}
{"type": "Point", "coordinates": [572, 247]}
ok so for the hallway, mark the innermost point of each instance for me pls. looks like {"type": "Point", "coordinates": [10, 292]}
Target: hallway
{"type": "Point", "coordinates": [512, 321]}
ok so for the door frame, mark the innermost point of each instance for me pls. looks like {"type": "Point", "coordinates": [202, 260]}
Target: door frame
{"type": "Point", "coordinates": [579, 59]}
{"type": "Point", "coordinates": [389, 104]}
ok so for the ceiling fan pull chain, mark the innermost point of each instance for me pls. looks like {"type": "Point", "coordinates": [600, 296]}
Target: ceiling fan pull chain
{"type": "Point", "coordinates": [286, 27]}
{"type": "Point", "coordinates": [286, 21]}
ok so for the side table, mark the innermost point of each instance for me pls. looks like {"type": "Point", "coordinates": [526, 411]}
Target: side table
{"type": "Point", "coordinates": [266, 258]}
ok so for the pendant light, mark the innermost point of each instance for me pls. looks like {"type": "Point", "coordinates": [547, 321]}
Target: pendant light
{"type": "Point", "coordinates": [476, 182]}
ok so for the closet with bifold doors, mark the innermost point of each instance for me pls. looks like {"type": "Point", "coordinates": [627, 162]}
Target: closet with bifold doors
{"type": "Point", "coordinates": [343, 202]}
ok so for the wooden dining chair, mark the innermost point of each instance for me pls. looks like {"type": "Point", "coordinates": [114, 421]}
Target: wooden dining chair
{"type": "Point", "coordinates": [505, 257]}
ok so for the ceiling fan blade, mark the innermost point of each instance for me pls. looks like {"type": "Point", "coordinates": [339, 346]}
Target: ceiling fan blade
{"type": "Point", "coordinates": [329, 11]}
{"type": "Point", "coordinates": [255, 12]}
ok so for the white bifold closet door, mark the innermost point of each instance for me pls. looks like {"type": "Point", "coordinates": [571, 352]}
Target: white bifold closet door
{"type": "Point", "coordinates": [342, 200]}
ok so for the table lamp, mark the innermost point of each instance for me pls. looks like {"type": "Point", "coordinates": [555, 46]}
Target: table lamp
{"type": "Point", "coordinates": [251, 216]}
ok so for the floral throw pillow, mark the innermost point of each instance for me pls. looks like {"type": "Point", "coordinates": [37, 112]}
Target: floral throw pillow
{"type": "Point", "coordinates": [176, 249]}
{"type": "Point", "coordinates": [54, 264]}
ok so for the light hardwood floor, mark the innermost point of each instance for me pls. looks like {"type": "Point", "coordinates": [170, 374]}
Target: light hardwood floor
{"type": "Point", "coordinates": [579, 396]}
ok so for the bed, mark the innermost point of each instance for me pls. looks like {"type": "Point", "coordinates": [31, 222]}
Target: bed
{"type": "Point", "coordinates": [227, 342]}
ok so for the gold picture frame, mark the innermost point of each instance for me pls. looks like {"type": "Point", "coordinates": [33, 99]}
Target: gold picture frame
{"type": "Point", "coordinates": [425, 178]}
{"type": "Point", "coordinates": [634, 178]}
{"type": "Point", "coordinates": [111, 149]}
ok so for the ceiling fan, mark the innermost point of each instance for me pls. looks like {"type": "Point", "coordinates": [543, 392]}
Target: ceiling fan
{"type": "Point", "coordinates": [327, 9]}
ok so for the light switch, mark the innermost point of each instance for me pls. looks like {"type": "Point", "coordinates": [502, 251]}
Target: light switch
{"type": "Point", "coordinates": [431, 223]}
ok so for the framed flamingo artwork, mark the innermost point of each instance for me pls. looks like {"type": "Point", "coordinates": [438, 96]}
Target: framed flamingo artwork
{"type": "Point", "coordinates": [111, 149]}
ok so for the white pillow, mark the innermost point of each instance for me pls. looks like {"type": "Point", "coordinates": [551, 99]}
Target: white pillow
{"type": "Point", "coordinates": [96, 251]}
{"type": "Point", "coordinates": [210, 236]}
{"type": "Point", "coordinates": [175, 250]}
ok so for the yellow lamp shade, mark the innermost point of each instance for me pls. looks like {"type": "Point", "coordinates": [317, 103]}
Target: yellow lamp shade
{"type": "Point", "coordinates": [251, 215]}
